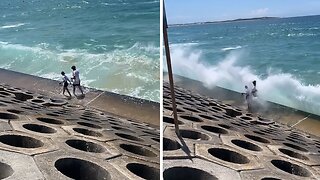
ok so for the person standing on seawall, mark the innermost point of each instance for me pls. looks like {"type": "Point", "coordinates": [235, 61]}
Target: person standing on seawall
{"type": "Point", "coordinates": [65, 83]}
{"type": "Point", "coordinates": [254, 89]}
{"type": "Point", "coordinates": [248, 97]}
{"type": "Point", "coordinates": [76, 80]}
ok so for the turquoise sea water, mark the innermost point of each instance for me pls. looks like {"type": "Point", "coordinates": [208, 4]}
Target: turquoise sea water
{"type": "Point", "coordinates": [282, 54]}
{"type": "Point", "coordinates": [114, 43]}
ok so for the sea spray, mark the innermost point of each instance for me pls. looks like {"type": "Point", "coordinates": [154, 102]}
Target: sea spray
{"type": "Point", "coordinates": [282, 88]}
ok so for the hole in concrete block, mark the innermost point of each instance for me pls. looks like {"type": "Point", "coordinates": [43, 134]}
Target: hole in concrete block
{"type": "Point", "coordinates": [58, 101]}
{"type": "Point", "coordinates": [52, 114]}
{"type": "Point", "coordinates": [89, 125]}
{"type": "Point", "coordinates": [193, 135]}
{"type": "Point", "coordinates": [256, 138]}
{"type": "Point", "coordinates": [85, 146]}
{"type": "Point", "coordinates": [4, 115]}
{"type": "Point", "coordinates": [4, 93]}
{"type": "Point", "coordinates": [293, 154]}
{"type": "Point", "coordinates": [201, 109]}
{"type": "Point", "coordinates": [151, 133]}
{"type": "Point", "coordinates": [37, 101]}
{"type": "Point", "coordinates": [127, 136]}
{"type": "Point", "coordinates": [5, 170]}
{"type": "Point", "coordinates": [228, 155]}
{"type": "Point", "coordinates": [170, 109]}
{"type": "Point", "coordinates": [170, 145]}
{"type": "Point", "coordinates": [114, 123]}
{"type": "Point", "coordinates": [191, 109]}
{"type": "Point", "coordinates": [191, 118]}
{"type": "Point", "coordinates": [296, 147]}
{"type": "Point", "coordinates": [246, 118]}
{"type": "Point", "coordinates": [144, 171]}
{"type": "Point", "coordinates": [1, 104]}
{"type": "Point", "coordinates": [137, 150]}
{"type": "Point", "coordinates": [39, 128]}
{"type": "Point", "coordinates": [187, 173]}
{"type": "Point", "coordinates": [15, 111]}
{"type": "Point", "coordinates": [207, 117]}
{"type": "Point", "coordinates": [170, 120]}
{"type": "Point", "coordinates": [213, 104]}
{"type": "Point", "coordinates": [28, 108]}
{"type": "Point", "coordinates": [214, 129]}
{"type": "Point", "coordinates": [156, 139]}
{"type": "Point", "coordinates": [224, 126]}
{"type": "Point", "coordinates": [258, 132]}
{"type": "Point", "coordinates": [81, 169]}
{"type": "Point", "coordinates": [122, 129]}
{"type": "Point", "coordinates": [291, 168]}
{"type": "Point", "coordinates": [216, 109]}
{"type": "Point", "coordinates": [296, 141]}
{"type": "Point", "coordinates": [22, 96]}
{"type": "Point", "coordinates": [50, 121]}
{"type": "Point", "coordinates": [21, 141]}
{"type": "Point", "coordinates": [246, 145]}
{"type": "Point", "coordinates": [87, 132]}
{"type": "Point", "coordinates": [232, 113]}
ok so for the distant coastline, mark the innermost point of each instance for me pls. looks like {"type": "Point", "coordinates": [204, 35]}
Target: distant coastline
{"type": "Point", "coordinates": [224, 21]}
{"type": "Point", "coordinates": [233, 20]}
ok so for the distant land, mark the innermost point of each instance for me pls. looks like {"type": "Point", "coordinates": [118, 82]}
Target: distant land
{"type": "Point", "coordinates": [235, 20]}
{"type": "Point", "coordinates": [225, 21]}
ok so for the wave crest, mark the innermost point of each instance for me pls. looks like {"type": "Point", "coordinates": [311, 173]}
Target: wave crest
{"type": "Point", "coordinates": [276, 87]}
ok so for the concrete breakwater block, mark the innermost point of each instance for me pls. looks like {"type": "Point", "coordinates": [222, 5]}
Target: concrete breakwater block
{"type": "Point", "coordinates": [44, 137]}
{"type": "Point", "coordinates": [220, 141]}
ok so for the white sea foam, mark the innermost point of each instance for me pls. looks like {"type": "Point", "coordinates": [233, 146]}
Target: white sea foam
{"type": "Point", "coordinates": [301, 34]}
{"type": "Point", "coordinates": [231, 48]}
{"type": "Point", "coordinates": [123, 69]}
{"type": "Point", "coordinates": [12, 26]}
{"type": "Point", "coordinates": [277, 87]}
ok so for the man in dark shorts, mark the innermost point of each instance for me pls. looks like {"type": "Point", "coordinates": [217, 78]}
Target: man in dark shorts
{"type": "Point", "coordinates": [76, 80]}
{"type": "Point", "coordinates": [65, 83]}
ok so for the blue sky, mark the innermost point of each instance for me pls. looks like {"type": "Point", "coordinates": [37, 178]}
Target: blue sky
{"type": "Point", "coordinates": [183, 11]}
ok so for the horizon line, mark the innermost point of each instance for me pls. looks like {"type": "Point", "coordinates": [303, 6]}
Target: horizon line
{"type": "Point", "coordinates": [238, 19]}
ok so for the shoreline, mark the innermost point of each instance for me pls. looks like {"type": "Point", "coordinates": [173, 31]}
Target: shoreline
{"type": "Point", "coordinates": [121, 105]}
{"type": "Point", "coordinates": [304, 121]}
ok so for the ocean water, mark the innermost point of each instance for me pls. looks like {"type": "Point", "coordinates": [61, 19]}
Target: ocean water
{"type": "Point", "coordinates": [113, 43]}
{"type": "Point", "coordinates": [282, 54]}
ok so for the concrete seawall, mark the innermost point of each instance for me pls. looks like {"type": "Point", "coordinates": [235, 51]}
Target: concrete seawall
{"type": "Point", "coordinates": [222, 141]}
{"type": "Point", "coordinates": [304, 121]}
{"type": "Point", "coordinates": [43, 135]}
{"type": "Point", "coordinates": [120, 105]}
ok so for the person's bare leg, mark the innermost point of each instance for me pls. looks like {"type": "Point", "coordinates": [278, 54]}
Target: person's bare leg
{"type": "Point", "coordinates": [81, 90]}
{"type": "Point", "coordinates": [74, 90]}
{"type": "Point", "coordinates": [63, 90]}
{"type": "Point", "coordinates": [68, 92]}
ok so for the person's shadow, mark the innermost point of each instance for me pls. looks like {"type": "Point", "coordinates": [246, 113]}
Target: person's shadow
{"type": "Point", "coordinates": [82, 96]}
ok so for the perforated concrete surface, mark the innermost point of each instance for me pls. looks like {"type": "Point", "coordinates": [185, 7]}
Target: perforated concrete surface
{"type": "Point", "coordinates": [220, 141]}
{"type": "Point", "coordinates": [49, 138]}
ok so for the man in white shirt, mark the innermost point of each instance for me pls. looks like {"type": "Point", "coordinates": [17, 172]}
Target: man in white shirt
{"type": "Point", "coordinates": [248, 97]}
{"type": "Point", "coordinates": [254, 90]}
{"type": "Point", "coordinates": [76, 80]}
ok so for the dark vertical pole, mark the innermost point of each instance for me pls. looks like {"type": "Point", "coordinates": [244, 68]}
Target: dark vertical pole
{"type": "Point", "coordinates": [166, 45]}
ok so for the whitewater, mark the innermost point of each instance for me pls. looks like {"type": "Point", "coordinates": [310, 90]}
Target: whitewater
{"type": "Point", "coordinates": [239, 58]}
{"type": "Point", "coordinates": [114, 44]}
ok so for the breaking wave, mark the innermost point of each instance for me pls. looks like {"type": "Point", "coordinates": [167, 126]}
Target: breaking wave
{"type": "Point", "coordinates": [282, 88]}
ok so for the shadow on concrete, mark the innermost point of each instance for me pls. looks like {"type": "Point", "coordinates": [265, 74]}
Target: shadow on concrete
{"type": "Point", "coordinates": [185, 148]}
